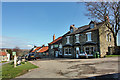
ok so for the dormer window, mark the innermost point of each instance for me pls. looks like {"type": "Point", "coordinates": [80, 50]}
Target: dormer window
{"type": "Point", "coordinates": [92, 25]}
{"type": "Point", "coordinates": [71, 30]}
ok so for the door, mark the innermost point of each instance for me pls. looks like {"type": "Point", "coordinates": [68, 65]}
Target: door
{"type": "Point", "coordinates": [60, 52]}
{"type": "Point", "coordinates": [56, 53]}
{"type": "Point", "coordinates": [77, 52]}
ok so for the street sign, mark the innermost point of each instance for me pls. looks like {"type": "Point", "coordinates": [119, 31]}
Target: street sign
{"type": "Point", "coordinates": [13, 53]}
{"type": "Point", "coordinates": [15, 59]}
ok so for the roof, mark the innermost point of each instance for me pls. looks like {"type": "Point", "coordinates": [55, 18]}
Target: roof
{"type": "Point", "coordinates": [97, 26]}
{"type": "Point", "coordinates": [3, 54]}
{"type": "Point", "coordinates": [80, 29]}
{"type": "Point", "coordinates": [66, 33]}
{"type": "Point", "coordinates": [86, 28]}
{"type": "Point", "coordinates": [43, 49]}
{"type": "Point", "coordinates": [36, 49]}
{"type": "Point", "coordinates": [56, 40]}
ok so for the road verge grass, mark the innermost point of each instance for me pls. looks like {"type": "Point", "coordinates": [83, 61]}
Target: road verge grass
{"type": "Point", "coordinates": [8, 70]}
{"type": "Point", "coordinates": [112, 56]}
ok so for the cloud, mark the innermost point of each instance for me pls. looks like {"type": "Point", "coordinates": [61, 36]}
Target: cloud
{"type": "Point", "coordinates": [11, 42]}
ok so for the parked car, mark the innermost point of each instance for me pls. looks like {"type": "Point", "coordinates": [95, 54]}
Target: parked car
{"type": "Point", "coordinates": [30, 56]}
{"type": "Point", "coordinates": [84, 54]}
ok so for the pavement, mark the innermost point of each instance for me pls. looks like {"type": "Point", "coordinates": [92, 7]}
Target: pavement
{"type": "Point", "coordinates": [74, 68]}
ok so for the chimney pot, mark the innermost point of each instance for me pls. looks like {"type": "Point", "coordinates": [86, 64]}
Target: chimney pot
{"type": "Point", "coordinates": [53, 37]}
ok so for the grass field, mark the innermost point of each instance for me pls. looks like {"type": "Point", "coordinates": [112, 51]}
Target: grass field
{"type": "Point", "coordinates": [8, 70]}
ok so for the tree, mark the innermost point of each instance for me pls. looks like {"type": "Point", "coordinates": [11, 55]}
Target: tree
{"type": "Point", "coordinates": [108, 12]}
{"type": "Point", "coordinates": [10, 52]}
{"type": "Point", "coordinates": [17, 50]}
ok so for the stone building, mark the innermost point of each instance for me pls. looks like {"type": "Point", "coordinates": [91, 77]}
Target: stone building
{"type": "Point", "coordinates": [55, 47]}
{"type": "Point", "coordinates": [94, 37]}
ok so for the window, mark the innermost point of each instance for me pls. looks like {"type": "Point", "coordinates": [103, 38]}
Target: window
{"type": "Point", "coordinates": [60, 46]}
{"type": "Point", "coordinates": [67, 51]}
{"type": "Point", "coordinates": [109, 38]}
{"type": "Point", "coordinates": [56, 45]}
{"type": "Point", "coordinates": [68, 40]}
{"type": "Point", "coordinates": [77, 38]}
{"type": "Point", "coordinates": [51, 46]}
{"type": "Point", "coordinates": [89, 50]}
{"type": "Point", "coordinates": [88, 37]}
{"type": "Point", "coordinates": [92, 25]}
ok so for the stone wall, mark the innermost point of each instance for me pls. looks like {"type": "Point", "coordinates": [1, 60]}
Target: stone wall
{"type": "Point", "coordinates": [104, 44]}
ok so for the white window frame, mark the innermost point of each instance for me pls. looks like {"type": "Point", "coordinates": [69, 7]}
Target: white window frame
{"type": "Point", "coordinates": [107, 37]}
{"type": "Point", "coordinates": [89, 48]}
{"type": "Point", "coordinates": [60, 45]}
{"type": "Point", "coordinates": [89, 36]}
{"type": "Point", "coordinates": [60, 52]}
{"type": "Point", "coordinates": [92, 25]}
{"type": "Point", "coordinates": [68, 52]}
{"type": "Point", "coordinates": [55, 45]}
{"type": "Point", "coordinates": [77, 38]}
{"type": "Point", "coordinates": [68, 40]}
{"type": "Point", "coordinates": [51, 46]}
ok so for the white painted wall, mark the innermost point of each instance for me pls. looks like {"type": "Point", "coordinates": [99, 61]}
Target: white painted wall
{"type": "Point", "coordinates": [8, 57]}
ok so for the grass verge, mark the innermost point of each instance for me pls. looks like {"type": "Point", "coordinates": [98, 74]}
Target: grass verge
{"type": "Point", "coordinates": [8, 70]}
{"type": "Point", "coordinates": [3, 61]}
{"type": "Point", "coordinates": [112, 56]}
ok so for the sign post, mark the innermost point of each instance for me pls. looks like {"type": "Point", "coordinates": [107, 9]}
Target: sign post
{"type": "Point", "coordinates": [15, 59]}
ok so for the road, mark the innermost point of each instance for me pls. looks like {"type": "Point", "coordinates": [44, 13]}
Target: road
{"type": "Point", "coordinates": [73, 68]}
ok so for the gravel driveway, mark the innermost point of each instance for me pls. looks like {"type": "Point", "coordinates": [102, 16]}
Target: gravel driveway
{"type": "Point", "coordinates": [73, 68]}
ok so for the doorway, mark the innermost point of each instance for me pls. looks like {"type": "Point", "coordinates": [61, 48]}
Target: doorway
{"type": "Point", "coordinates": [77, 52]}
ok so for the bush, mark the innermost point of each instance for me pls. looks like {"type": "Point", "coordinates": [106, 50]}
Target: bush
{"type": "Point", "coordinates": [12, 63]}
{"type": "Point", "coordinates": [22, 62]}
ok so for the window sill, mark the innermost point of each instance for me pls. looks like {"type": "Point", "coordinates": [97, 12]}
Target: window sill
{"type": "Point", "coordinates": [67, 54]}
{"type": "Point", "coordinates": [67, 43]}
{"type": "Point", "coordinates": [77, 42]}
{"type": "Point", "coordinates": [89, 41]}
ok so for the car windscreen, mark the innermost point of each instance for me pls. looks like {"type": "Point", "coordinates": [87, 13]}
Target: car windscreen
{"type": "Point", "coordinates": [31, 54]}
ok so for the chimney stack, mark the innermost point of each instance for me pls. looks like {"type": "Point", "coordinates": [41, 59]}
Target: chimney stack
{"type": "Point", "coordinates": [35, 46]}
{"type": "Point", "coordinates": [43, 45]}
{"type": "Point", "coordinates": [107, 18]}
{"type": "Point", "coordinates": [53, 37]}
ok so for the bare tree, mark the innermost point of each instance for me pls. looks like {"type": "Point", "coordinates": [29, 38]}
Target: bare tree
{"type": "Point", "coordinates": [108, 12]}
{"type": "Point", "coordinates": [17, 50]}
